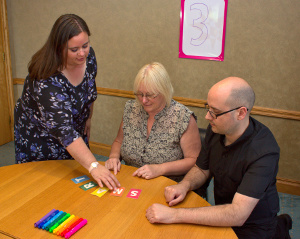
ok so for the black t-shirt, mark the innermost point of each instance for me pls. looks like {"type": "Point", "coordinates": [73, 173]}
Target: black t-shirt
{"type": "Point", "coordinates": [248, 166]}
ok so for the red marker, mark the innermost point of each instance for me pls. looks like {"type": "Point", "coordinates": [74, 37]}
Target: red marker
{"type": "Point", "coordinates": [69, 228]}
{"type": "Point", "coordinates": [76, 228]}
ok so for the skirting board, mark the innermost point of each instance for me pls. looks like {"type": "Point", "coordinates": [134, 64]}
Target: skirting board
{"type": "Point", "coordinates": [284, 185]}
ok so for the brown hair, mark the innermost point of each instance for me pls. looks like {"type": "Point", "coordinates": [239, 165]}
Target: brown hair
{"type": "Point", "coordinates": [52, 57]}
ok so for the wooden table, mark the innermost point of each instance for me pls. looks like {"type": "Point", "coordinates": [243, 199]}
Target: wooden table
{"type": "Point", "coordinates": [29, 191]}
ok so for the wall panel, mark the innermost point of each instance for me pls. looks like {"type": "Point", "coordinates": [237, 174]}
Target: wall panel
{"type": "Point", "coordinates": [262, 46]}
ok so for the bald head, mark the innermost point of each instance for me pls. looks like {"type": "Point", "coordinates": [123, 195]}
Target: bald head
{"type": "Point", "coordinates": [235, 91]}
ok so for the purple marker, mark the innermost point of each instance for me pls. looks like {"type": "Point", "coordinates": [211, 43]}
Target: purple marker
{"type": "Point", "coordinates": [47, 219]}
{"type": "Point", "coordinates": [43, 218]}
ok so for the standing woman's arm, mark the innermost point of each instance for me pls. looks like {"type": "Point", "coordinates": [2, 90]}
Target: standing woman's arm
{"type": "Point", "coordinates": [81, 153]}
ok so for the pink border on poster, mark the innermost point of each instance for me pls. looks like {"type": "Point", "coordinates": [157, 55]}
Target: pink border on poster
{"type": "Point", "coordinates": [182, 55]}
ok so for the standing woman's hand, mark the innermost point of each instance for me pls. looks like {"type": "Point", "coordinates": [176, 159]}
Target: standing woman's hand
{"type": "Point", "coordinates": [82, 154]}
{"type": "Point", "coordinates": [103, 176]}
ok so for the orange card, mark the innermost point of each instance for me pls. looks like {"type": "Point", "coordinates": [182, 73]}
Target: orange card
{"type": "Point", "coordinates": [118, 192]}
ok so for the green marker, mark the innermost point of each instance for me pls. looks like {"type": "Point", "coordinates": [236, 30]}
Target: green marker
{"type": "Point", "coordinates": [65, 217]}
{"type": "Point", "coordinates": [55, 221]}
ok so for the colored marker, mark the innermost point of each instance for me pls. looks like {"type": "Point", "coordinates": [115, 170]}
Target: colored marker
{"type": "Point", "coordinates": [43, 218]}
{"type": "Point", "coordinates": [58, 230]}
{"type": "Point", "coordinates": [71, 227]}
{"type": "Point", "coordinates": [65, 227]}
{"type": "Point", "coordinates": [54, 223]}
{"type": "Point", "coordinates": [76, 228]}
{"type": "Point", "coordinates": [52, 220]}
{"type": "Point", "coordinates": [48, 219]}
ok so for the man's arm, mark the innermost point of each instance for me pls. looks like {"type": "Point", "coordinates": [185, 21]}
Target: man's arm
{"type": "Point", "coordinates": [234, 214]}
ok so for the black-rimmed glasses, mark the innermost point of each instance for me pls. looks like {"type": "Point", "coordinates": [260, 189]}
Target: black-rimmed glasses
{"type": "Point", "coordinates": [215, 116]}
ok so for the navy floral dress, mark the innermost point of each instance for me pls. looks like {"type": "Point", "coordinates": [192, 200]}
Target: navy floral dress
{"type": "Point", "coordinates": [52, 113]}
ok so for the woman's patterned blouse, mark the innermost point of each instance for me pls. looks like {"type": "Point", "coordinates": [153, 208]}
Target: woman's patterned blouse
{"type": "Point", "coordinates": [163, 143]}
{"type": "Point", "coordinates": [52, 113]}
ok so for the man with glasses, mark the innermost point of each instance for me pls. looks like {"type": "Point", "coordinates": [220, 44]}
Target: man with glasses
{"type": "Point", "coordinates": [242, 155]}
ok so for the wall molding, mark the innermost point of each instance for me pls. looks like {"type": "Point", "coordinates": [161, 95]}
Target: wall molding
{"type": "Point", "coordinates": [284, 185]}
{"type": "Point", "coordinates": [289, 186]}
{"type": "Point", "coordinates": [18, 81]}
{"type": "Point", "coordinates": [276, 113]}
{"type": "Point", "coordinates": [99, 148]}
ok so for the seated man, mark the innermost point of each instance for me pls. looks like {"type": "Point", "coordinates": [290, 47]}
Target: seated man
{"type": "Point", "coordinates": [242, 155]}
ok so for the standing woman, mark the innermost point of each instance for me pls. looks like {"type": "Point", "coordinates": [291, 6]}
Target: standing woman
{"type": "Point", "coordinates": [53, 115]}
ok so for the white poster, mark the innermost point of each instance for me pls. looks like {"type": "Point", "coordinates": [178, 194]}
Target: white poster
{"type": "Point", "coordinates": [202, 29]}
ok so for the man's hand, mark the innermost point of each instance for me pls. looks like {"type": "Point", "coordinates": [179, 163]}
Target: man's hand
{"type": "Point", "coordinates": [103, 175]}
{"type": "Point", "coordinates": [158, 213]}
{"type": "Point", "coordinates": [176, 193]}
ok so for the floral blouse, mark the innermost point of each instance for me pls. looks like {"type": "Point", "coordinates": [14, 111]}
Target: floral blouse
{"type": "Point", "coordinates": [52, 113]}
{"type": "Point", "coordinates": [163, 143]}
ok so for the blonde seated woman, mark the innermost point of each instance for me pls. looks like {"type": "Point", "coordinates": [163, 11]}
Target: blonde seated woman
{"type": "Point", "coordinates": [157, 135]}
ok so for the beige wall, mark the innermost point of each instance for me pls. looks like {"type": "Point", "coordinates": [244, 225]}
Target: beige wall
{"type": "Point", "coordinates": [262, 46]}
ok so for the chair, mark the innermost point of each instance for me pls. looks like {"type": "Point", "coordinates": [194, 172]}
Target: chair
{"type": "Point", "coordinates": [202, 133]}
{"type": "Point", "coordinates": [202, 191]}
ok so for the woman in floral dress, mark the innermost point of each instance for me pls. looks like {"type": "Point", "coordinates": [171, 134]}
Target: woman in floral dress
{"type": "Point", "coordinates": [53, 115]}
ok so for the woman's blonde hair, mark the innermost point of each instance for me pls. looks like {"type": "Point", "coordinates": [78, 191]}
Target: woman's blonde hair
{"type": "Point", "coordinates": [155, 79]}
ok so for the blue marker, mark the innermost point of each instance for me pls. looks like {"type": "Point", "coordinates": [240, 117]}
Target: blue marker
{"type": "Point", "coordinates": [52, 220]}
{"type": "Point", "coordinates": [47, 219]}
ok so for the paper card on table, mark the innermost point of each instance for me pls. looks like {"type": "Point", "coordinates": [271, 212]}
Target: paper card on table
{"type": "Point", "coordinates": [100, 192]}
{"type": "Point", "coordinates": [118, 192]}
{"type": "Point", "coordinates": [88, 185]}
{"type": "Point", "coordinates": [134, 193]}
{"type": "Point", "coordinates": [80, 179]}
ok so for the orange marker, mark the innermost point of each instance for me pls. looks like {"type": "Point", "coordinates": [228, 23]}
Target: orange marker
{"type": "Point", "coordinates": [60, 231]}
